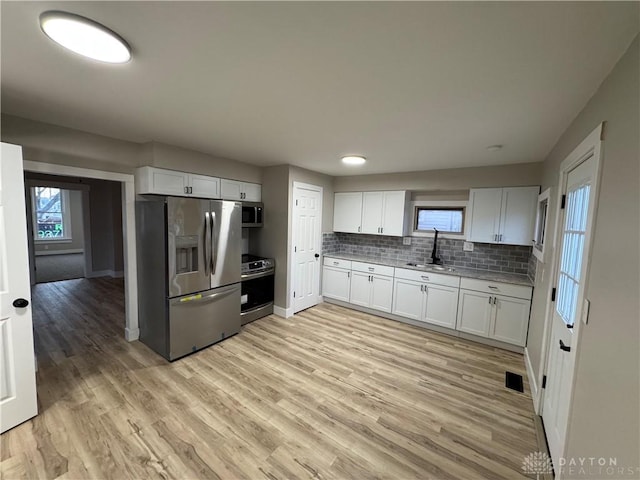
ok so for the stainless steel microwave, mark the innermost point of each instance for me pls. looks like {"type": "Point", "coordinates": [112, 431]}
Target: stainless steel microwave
{"type": "Point", "coordinates": [252, 214]}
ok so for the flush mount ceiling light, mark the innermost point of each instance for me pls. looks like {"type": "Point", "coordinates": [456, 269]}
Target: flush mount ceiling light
{"type": "Point", "coordinates": [353, 160]}
{"type": "Point", "coordinates": [85, 37]}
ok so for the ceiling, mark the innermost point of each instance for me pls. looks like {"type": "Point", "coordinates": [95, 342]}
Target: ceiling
{"type": "Point", "coordinates": [412, 86]}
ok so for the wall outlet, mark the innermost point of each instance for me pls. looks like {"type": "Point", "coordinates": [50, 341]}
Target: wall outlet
{"type": "Point", "coordinates": [467, 246]}
{"type": "Point", "coordinates": [406, 240]}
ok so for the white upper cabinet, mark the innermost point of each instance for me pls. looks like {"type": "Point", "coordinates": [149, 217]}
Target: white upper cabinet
{"type": "Point", "coordinates": [372, 205]}
{"type": "Point", "coordinates": [347, 212]}
{"type": "Point", "coordinates": [502, 215]}
{"type": "Point", "coordinates": [170, 182]}
{"type": "Point", "coordinates": [395, 221]}
{"type": "Point", "coordinates": [518, 219]}
{"type": "Point", "coordinates": [204, 186]}
{"type": "Point", "coordinates": [375, 213]}
{"type": "Point", "coordinates": [234, 190]}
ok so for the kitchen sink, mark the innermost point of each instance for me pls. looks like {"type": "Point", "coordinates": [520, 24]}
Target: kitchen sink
{"type": "Point", "coordinates": [430, 266]}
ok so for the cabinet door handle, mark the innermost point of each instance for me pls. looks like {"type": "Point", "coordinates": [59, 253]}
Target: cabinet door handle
{"type": "Point", "coordinates": [563, 347]}
{"type": "Point", "coordinates": [358, 229]}
{"type": "Point", "coordinates": [371, 269]}
{"type": "Point", "coordinates": [495, 300]}
{"type": "Point", "coordinates": [489, 300]}
{"type": "Point", "coordinates": [336, 263]}
{"type": "Point", "coordinates": [381, 229]}
{"type": "Point", "coordinates": [422, 288]}
{"type": "Point", "coordinates": [424, 277]}
{"type": "Point", "coordinates": [348, 274]}
{"type": "Point", "coordinates": [500, 237]}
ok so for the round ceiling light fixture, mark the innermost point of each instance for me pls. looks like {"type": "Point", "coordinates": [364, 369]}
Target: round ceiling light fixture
{"type": "Point", "coordinates": [353, 160]}
{"type": "Point", "coordinates": [494, 148]}
{"type": "Point", "coordinates": [85, 37]}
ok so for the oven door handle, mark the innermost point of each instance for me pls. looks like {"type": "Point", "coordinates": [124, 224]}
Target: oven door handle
{"type": "Point", "coordinates": [251, 276]}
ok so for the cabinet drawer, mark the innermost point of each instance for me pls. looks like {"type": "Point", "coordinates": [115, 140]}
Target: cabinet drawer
{"type": "Point", "coordinates": [427, 277]}
{"type": "Point", "coordinates": [497, 288]}
{"type": "Point", "coordinates": [372, 268]}
{"type": "Point", "coordinates": [337, 262]}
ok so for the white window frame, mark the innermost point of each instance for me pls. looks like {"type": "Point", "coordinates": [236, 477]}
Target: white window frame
{"type": "Point", "coordinates": [66, 217]}
{"type": "Point", "coordinates": [541, 221]}
{"type": "Point", "coordinates": [438, 204]}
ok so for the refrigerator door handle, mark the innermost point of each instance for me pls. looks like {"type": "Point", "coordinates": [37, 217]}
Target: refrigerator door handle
{"type": "Point", "coordinates": [198, 298]}
{"type": "Point", "coordinates": [214, 243]}
{"type": "Point", "coordinates": [207, 244]}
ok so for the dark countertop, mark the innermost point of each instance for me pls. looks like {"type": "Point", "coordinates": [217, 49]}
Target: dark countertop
{"type": "Point", "coordinates": [513, 278]}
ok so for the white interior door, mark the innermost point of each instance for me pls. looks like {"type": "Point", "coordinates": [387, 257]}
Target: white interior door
{"type": "Point", "coordinates": [575, 235]}
{"type": "Point", "coordinates": [18, 401]}
{"type": "Point", "coordinates": [307, 240]}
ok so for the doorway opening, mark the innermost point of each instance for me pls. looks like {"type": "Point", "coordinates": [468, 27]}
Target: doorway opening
{"type": "Point", "coordinates": [108, 218]}
{"type": "Point", "coordinates": [74, 226]}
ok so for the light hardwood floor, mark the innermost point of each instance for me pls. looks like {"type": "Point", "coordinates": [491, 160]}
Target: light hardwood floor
{"type": "Point", "coordinates": [328, 394]}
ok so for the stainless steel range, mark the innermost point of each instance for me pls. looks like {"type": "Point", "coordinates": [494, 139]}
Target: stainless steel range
{"type": "Point", "coordinates": [257, 277]}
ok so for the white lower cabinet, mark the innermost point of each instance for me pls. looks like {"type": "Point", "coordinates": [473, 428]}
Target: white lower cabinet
{"type": "Point", "coordinates": [474, 312]}
{"type": "Point", "coordinates": [499, 311]}
{"type": "Point", "coordinates": [494, 315]}
{"type": "Point", "coordinates": [408, 300]}
{"type": "Point", "coordinates": [372, 291]}
{"type": "Point", "coordinates": [336, 283]}
{"type": "Point", "coordinates": [425, 302]}
{"type": "Point", "coordinates": [336, 278]}
{"type": "Point", "coordinates": [511, 321]}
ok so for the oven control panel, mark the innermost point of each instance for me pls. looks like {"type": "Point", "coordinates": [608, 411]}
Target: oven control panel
{"type": "Point", "coordinates": [261, 265]}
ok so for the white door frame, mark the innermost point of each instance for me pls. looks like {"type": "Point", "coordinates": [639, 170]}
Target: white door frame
{"type": "Point", "coordinates": [132, 330]}
{"type": "Point", "coordinates": [592, 145]}
{"type": "Point", "coordinates": [291, 283]}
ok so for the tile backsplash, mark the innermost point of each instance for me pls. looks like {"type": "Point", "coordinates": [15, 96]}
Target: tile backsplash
{"type": "Point", "coordinates": [485, 256]}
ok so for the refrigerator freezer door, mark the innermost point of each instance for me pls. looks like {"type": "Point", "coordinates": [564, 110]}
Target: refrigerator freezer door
{"type": "Point", "coordinates": [226, 242]}
{"type": "Point", "coordinates": [199, 320]}
{"type": "Point", "coordinates": [187, 251]}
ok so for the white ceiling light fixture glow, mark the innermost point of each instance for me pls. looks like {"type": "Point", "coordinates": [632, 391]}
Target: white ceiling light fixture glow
{"type": "Point", "coordinates": [85, 37]}
{"type": "Point", "coordinates": [353, 160]}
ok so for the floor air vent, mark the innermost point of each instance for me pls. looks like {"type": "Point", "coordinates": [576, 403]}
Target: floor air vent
{"type": "Point", "coordinates": [514, 382]}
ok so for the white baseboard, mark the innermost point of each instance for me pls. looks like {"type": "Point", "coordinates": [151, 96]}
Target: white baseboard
{"type": "Point", "coordinates": [42, 253]}
{"type": "Point", "coordinates": [131, 335]}
{"type": "Point", "coordinates": [533, 384]}
{"type": "Point", "coordinates": [105, 273]}
{"type": "Point", "coordinates": [283, 312]}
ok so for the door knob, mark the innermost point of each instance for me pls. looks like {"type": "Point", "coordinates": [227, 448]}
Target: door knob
{"type": "Point", "coordinates": [317, 255]}
{"type": "Point", "coordinates": [20, 303]}
{"type": "Point", "coordinates": [563, 347]}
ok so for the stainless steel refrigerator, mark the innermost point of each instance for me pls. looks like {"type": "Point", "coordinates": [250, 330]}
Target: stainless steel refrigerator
{"type": "Point", "coordinates": [189, 254]}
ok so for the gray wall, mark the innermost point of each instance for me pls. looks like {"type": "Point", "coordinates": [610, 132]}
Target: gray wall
{"type": "Point", "coordinates": [106, 226]}
{"type": "Point", "coordinates": [44, 142]}
{"type": "Point", "coordinates": [519, 175]}
{"type": "Point", "coordinates": [274, 238]}
{"type": "Point", "coordinates": [605, 416]}
{"type": "Point", "coordinates": [297, 174]}
{"type": "Point", "coordinates": [167, 156]}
